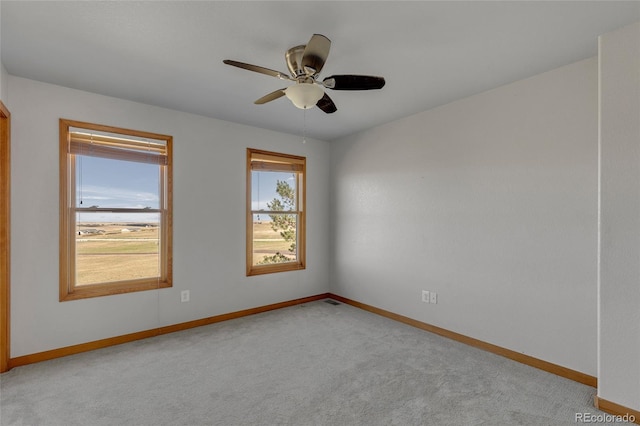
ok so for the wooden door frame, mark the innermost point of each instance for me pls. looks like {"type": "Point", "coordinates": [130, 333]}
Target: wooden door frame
{"type": "Point", "coordinates": [5, 234]}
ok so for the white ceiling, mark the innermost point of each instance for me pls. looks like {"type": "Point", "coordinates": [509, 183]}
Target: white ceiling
{"type": "Point", "coordinates": [169, 53]}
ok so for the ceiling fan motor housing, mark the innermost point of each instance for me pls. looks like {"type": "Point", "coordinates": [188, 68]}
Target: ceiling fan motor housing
{"type": "Point", "coordinates": [294, 60]}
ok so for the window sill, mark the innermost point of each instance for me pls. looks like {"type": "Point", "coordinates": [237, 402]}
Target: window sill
{"type": "Point", "coordinates": [275, 268]}
{"type": "Point", "coordinates": [108, 289]}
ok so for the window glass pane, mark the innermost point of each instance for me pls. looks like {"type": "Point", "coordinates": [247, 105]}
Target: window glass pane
{"type": "Point", "coordinates": [104, 182]}
{"type": "Point", "coordinates": [273, 191]}
{"type": "Point", "coordinates": [275, 239]}
{"type": "Point", "coordinates": [111, 247]}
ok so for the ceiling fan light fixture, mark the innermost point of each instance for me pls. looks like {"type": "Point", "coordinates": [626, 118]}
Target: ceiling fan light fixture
{"type": "Point", "coordinates": [304, 95]}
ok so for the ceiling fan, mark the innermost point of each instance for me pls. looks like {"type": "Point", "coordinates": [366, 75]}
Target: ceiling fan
{"type": "Point", "coordinates": [305, 63]}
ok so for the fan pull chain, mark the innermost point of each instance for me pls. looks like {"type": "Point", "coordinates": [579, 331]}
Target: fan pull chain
{"type": "Point", "coordinates": [304, 126]}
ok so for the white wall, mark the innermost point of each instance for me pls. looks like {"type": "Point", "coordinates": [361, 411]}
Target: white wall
{"type": "Point", "coordinates": [3, 71]}
{"type": "Point", "coordinates": [209, 220]}
{"type": "Point", "coordinates": [619, 284]}
{"type": "Point", "coordinates": [490, 201]}
{"type": "Point", "coordinates": [4, 81]}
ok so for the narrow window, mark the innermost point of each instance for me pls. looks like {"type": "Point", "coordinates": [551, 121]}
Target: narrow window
{"type": "Point", "coordinates": [275, 212]}
{"type": "Point", "coordinates": [115, 210]}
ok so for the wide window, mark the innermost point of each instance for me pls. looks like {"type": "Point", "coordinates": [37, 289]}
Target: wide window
{"type": "Point", "coordinates": [115, 210]}
{"type": "Point", "coordinates": [275, 212]}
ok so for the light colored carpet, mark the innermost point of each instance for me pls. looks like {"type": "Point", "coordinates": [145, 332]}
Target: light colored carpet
{"type": "Point", "coordinates": [312, 364]}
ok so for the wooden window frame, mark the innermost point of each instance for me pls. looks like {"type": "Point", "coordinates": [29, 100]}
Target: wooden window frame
{"type": "Point", "coordinates": [273, 161]}
{"type": "Point", "coordinates": [107, 148]}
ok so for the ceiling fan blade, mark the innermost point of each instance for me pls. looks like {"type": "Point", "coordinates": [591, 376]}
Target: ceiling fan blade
{"type": "Point", "coordinates": [316, 53]}
{"type": "Point", "coordinates": [261, 70]}
{"type": "Point", "coordinates": [326, 104]}
{"type": "Point", "coordinates": [270, 97]}
{"type": "Point", "coordinates": [353, 82]}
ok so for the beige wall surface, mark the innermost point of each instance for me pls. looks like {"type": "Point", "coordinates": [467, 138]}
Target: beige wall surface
{"type": "Point", "coordinates": [619, 278]}
{"type": "Point", "coordinates": [491, 202]}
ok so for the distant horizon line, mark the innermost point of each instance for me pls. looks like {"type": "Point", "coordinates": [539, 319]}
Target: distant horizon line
{"type": "Point", "coordinates": [127, 222]}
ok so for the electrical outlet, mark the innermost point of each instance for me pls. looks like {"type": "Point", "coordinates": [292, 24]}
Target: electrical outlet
{"type": "Point", "coordinates": [184, 296]}
{"type": "Point", "coordinates": [425, 296]}
{"type": "Point", "coordinates": [433, 297]}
